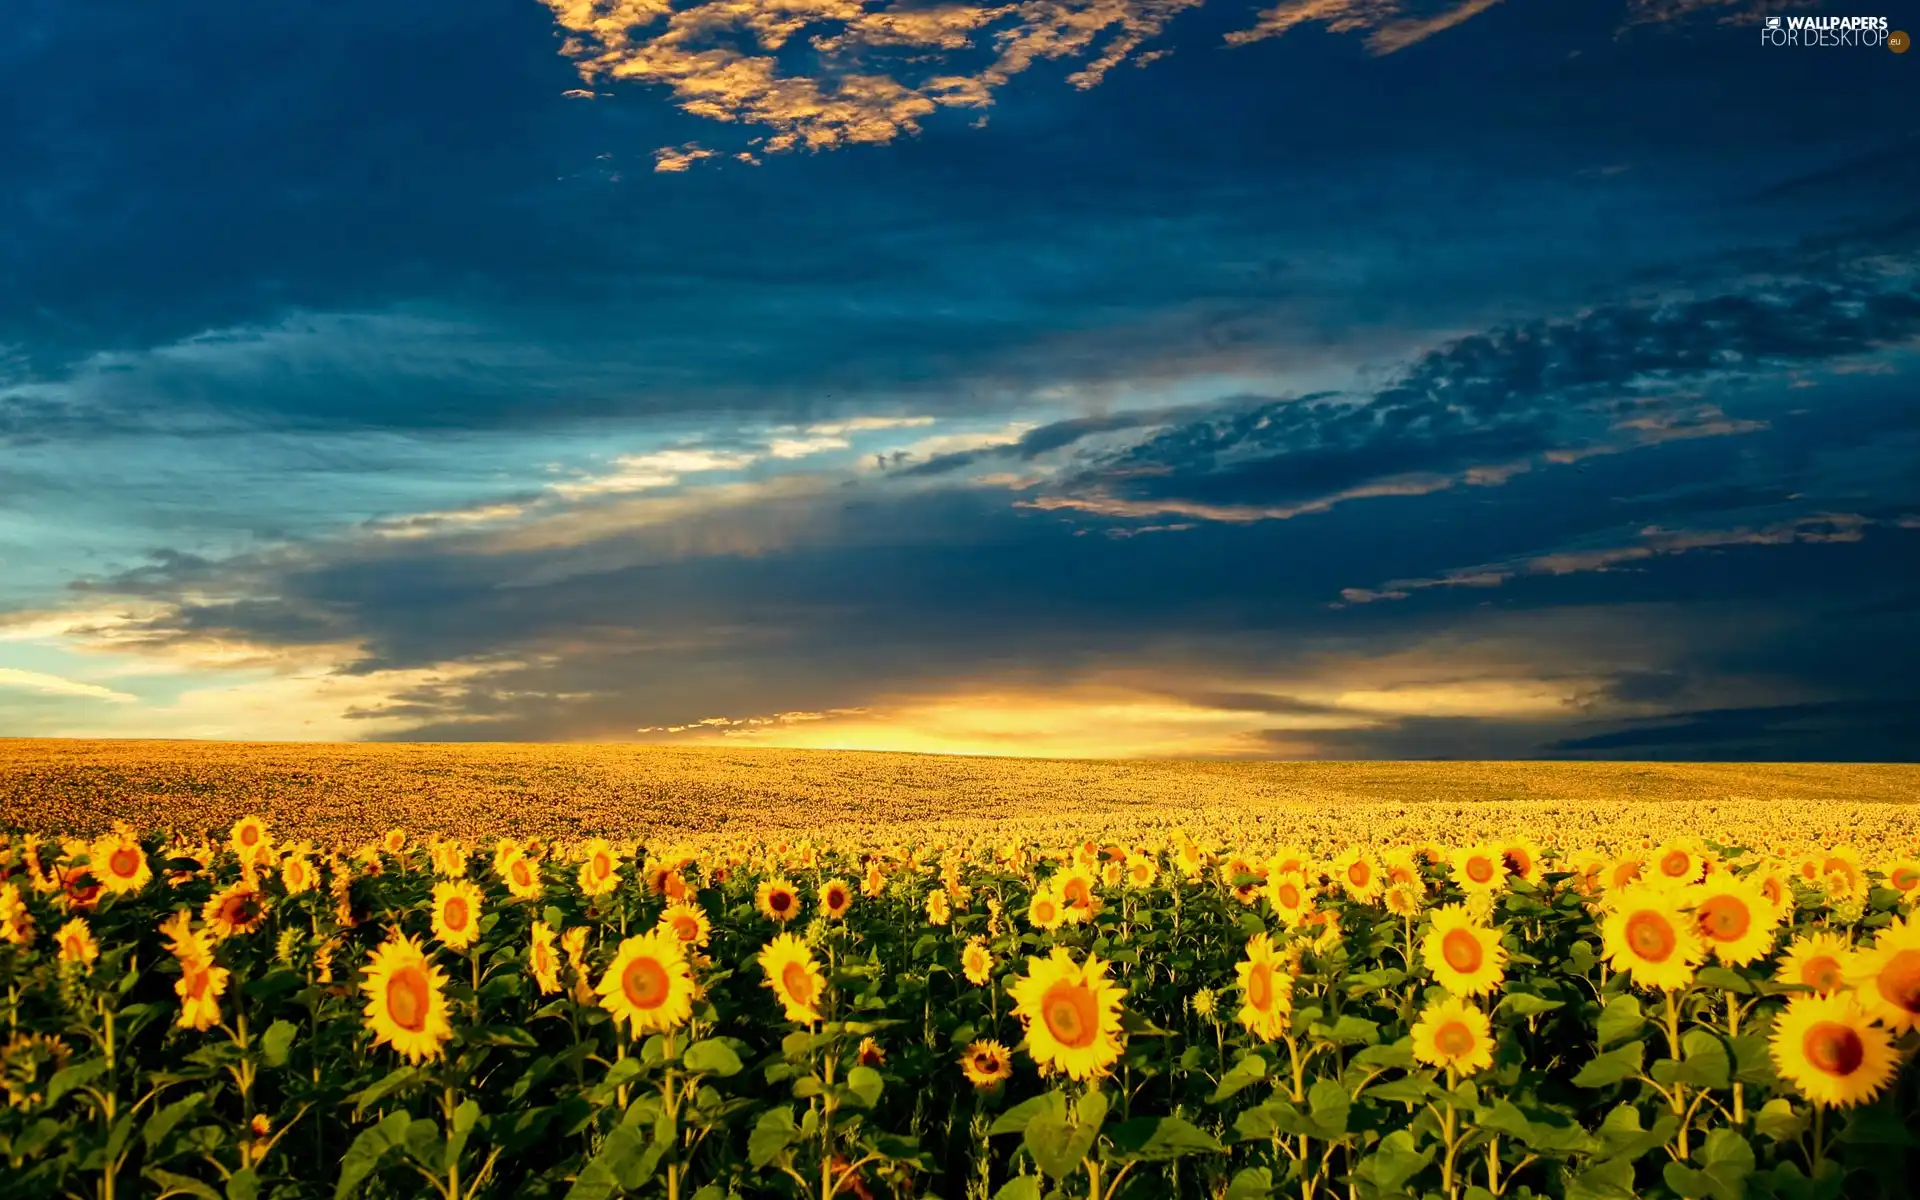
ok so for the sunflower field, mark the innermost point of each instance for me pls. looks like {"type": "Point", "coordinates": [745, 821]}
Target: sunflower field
{"type": "Point", "coordinates": [237, 1015]}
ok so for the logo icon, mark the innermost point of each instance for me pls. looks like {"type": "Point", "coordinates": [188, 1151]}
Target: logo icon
{"type": "Point", "coordinates": [1898, 41]}
{"type": "Point", "coordinates": [1773, 22]}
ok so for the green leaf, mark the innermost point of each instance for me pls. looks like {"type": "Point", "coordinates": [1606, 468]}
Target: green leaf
{"type": "Point", "coordinates": [277, 1042]}
{"type": "Point", "coordinates": [1253, 1183]}
{"type": "Point", "coordinates": [1778, 1120]}
{"type": "Point", "coordinates": [364, 1156]}
{"type": "Point", "coordinates": [865, 1083]}
{"type": "Point", "coordinates": [243, 1185]}
{"type": "Point", "coordinates": [1248, 1070]}
{"type": "Point", "coordinates": [162, 1123]}
{"type": "Point", "coordinates": [712, 1057]}
{"type": "Point", "coordinates": [1706, 1062]}
{"type": "Point", "coordinates": [1349, 1031]}
{"type": "Point", "coordinates": [1057, 1145]}
{"type": "Point", "coordinates": [1726, 1161]}
{"type": "Point", "coordinates": [772, 1134]}
{"type": "Point", "coordinates": [1722, 978]}
{"type": "Point", "coordinates": [464, 1119]}
{"type": "Point", "coordinates": [1414, 1089]}
{"type": "Point", "coordinates": [1621, 1020]}
{"type": "Point", "coordinates": [1020, 1187]}
{"type": "Point", "coordinates": [1158, 1139]}
{"type": "Point", "coordinates": [395, 1079]}
{"type": "Point", "coordinates": [1015, 1119]}
{"type": "Point", "coordinates": [1612, 1067]}
{"type": "Point", "coordinates": [68, 1078]}
{"type": "Point", "coordinates": [1092, 1109]}
{"type": "Point", "coordinates": [1387, 1054]}
{"type": "Point", "coordinates": [599, 1179]}
{"type": "Point", "coordinates": [273, 983]}
{"type": "Point", "coordinates": [1329, 1104]}
{"type": "Point", "coordinates": [1610, 1180]}
{"type": "Point", "coordinates": [1525, 1004]}
{"type": "Point", "coordinates": [1396, 1161]}
{"type": "Point", "coordinates": [186, 1184]}
{"type": "Point", "coordinates": [1879, 1124]}
{"type": "Point", "coordinates": [1622, 1136]}
{"type": "Point", "coordinates": [1503, 1117]}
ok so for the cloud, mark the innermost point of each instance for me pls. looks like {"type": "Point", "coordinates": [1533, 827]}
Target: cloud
{"type": "Point", "coordinates": [1392, 28]}
{"type": "Point", "coordinates": [54, 685]}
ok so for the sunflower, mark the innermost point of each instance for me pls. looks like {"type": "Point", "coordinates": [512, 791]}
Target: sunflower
{"type": "Point", "coordinates": [1778, 890]}
{"type": "Point", "coordinates": [1479, 869]}
{"type": "Point", "coordinates": [449, 858]}
{"type": "Point", "coordinates": [1191, 859]}
{"type": "Point", "coordinates": [1903, 876]}
{"type": "Point", "coordinates": [1397, 865]}
{"type": "Point", "coordinates": [1819, 961]}
{"type": "Point", "coordinates": [976, 962]}
{"type": "Point", "coordinates": [76, 944]}
{"type": "Point", "coordinates": [541, 959]}
{"type": "Point", "coordinates": [1887, 976]}
{"type": "Point", "coordinates": [1403, 899]}
{"type": "Point", "coordinates": [1072, 1014]}
{"type": "Point", "coordinates": [599, 868]}
{"type": "Point", "coordinates": [1588, 869]}
{"type": "Point", "coordinates": [395, 842]}
{"type": "Point", "coordinates": [1287, 893]}
{"type": "Point", "coordinates": [1357, 875]}
{"type": "Point", "coordinates": [521, 876]}
{"type": "Point", "coordinates": [1732, 917]}
{"type": "Point", "coordinates": [1841, 873]}
{"type": "Point", "coordinates": [870, 1054]}
{"type": "Point", "coordinates": [16, 923]}
{"type": "Point", "coordinates": [1045, 911]}
{"type": "Point", "coordinates": [240, 909]}
{"type": "Point", "coordinates": [297, 874]}
{"type": "Point", "coordinates": [1077, 895]}
{"type": "Point", "coordinates": [1645, 934]}
{"type": "Point", "coordinates": [456, 914]}
{"type": "Point", "coordinates": [648, 984]}
{"type": "Point", "coordinates": [939, 911]}
{"type": "Point", "coordinates": [1832, 1051]}
{"type": "Point", "coordinates": [574, 943]}
{"type": "Point", "coordinates": [1142, 871]}
{"type": "Point", "coordinates": [875, 882]}
{"type": "Point", "coordinates": [200, 987]}
{"type": "Point", "coordinates": [986, 1064]}
{"type": "Point", "coordinates": [1521, 859]}
{"type": "Point", "coordinates": [1454, 1034]}
{"type": "Point", "coordinates": [688, 922]}
{"type": "Point", "coordinates": [28, 1063]}
{"type": "Point", "coordinates": [1624, 872]}
{"type": "Point", "coordinates": [777, 900]}
{"type": "Point", "coordinates": [1266, 986]}
{"type": "Point", "coordinates": [119, 863]}
{"type": "Point", "coordinates": [406, 1004]}
{"type": "Point", "coordinates": [1466, 957]}
{"type": "Point", "coordinates": [250, 840]}
{"type": "Point", "coordinates": [794, 977]}
{"type": "Point", "coordinates": [836, 897]}
{"type": "Point", "coordinates": [1675, 864]}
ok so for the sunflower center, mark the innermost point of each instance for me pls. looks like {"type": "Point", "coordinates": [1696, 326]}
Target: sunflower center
{"type": "Point", "coordinates": [1675, 863]}
{"type": "Point", "coordinates": [645, 983]}
{"type": "Point", "coordinates": [196, 984]}
{"type": "Point", "coordinates": [779, 901]}
{"type": "Point", "coordinates": [1904, 879]}
{"type": "Point", "coordinates": [1900, 980]}
{"type": "Point", "coordinates": [1724, 918]}
{"type": "Point", "coordinates": [1260, 987]}
{"type": "Point", "coordinates": [1071, 1015]}
{"type": "Point", "coordinates": [1821, 974]}
{"type": "Point", "coordinates": [686, 928]}
{"type": "Point", "coordinates": [1359, 873]}
{"type": "Point", "coordinates": [1650, 936]}
{"type": "Point", "coordinates": [1462, 951]}
{"type": "Point", "coordinates": [1834, 1048]}
{"type": "Point", "coordinates": [1837, 866]}
{"type": "Point", "coordinates": [1453, 1039]}
{"type": "Point", "coordinates": [242, 909]}
{"type": "Point", "coordinates": [1076, 892]}
{"type": "Point", "coordinates": [521, 875]}
{"type": "Point", "coordinates": [1480, 870]}
{"type": "Point", "coordinates": [124, 862]}
{"type": "Point", "coordinates": [1289, 895]}
{"type": "Point", "coordinates": [602, 865]}
{"type": "Point", "coordinates": [835, 898]}
{"type": "Point", "coordinates": [1517, 862]}
{"type": "Point", "coordinates": [983, 1063]}
{"type": "Point", "coordinates": [798, 983]}
{"type": "Point", "coordinates": [407, 998]}
{"type": "Point", "coordinates": [456, 913]}
{"type": "Point", "coordinates": [249, 835]}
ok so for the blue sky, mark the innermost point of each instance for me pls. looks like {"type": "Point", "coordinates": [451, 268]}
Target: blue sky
{"type": "Point", "coordinates": [1350, 378]}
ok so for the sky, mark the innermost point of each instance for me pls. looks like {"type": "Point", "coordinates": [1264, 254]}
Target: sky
{"type": "Point", "coordinates": [1348, 379]}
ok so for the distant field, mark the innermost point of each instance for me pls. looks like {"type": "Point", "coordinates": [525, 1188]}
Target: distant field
{"type": "Point", "coordinates": [345, 792]}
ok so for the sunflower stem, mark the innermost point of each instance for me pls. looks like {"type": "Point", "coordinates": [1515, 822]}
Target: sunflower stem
{"type": "Point", "coordinates": [1733, 1031]}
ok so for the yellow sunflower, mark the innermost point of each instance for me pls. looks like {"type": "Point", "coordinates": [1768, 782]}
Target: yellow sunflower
{"type": "Point", "coordinates": [1624, 872]}
{"type": "Point", "coordinates": [1887, 975]}
{"type": "Point", "coordinates": [1818, 960]}
{"type": "Point", "coordinates": [688, 922]}
{"type": "Point", "coordinates": [1903, 876]}
{"type": "Point", "coordinates": [1675, 864]}
{"type": "Point", "coordinates": [1045, 911]}
{"type": "Point", "coordinates": [1841, 873]}
{"type": "Point", "coordinates": [1732, 917]}
{"type": "Point", "coordinates": [521, 875]}
{"type": "Point", "coordinates": [1479, 869]}
{"type": "Point", "coordinates": [1453, 1033]}
{"type": "Point", "coordinates": [1777, 889]}
{"type": "Point", "coordinates": [1142, 871]}
{"type": "Point", "coordinates": [250, 840]}
{"type": "Point", "coordinates": [240, 909]}
{"type": "Point", "coordinates": [794, 977]}
{"type": "Point", "coordinates": [449, 858]}
{"type": "Point", "coordinates": [297, 874]}
{"type": "Point", "coordinates": [119, 863]}
{"type": "Point", "coordinates": [16, 923]}
{"type": "Point", "coordinates": [875, 882]}
{"type": "Point", "coordinates": [976, 962]}
{"type": "Point", "coordinates": [1358, 876]}
{"type": "Point", "coordinates": [395, 841]}
{"type": "Point", "coordinates": [1077, 895]}
{"type": "Point", "coordinates": [599, 868]}
{"type": "Point", "coordinates": [987, 1064]}
{"type": "Point", "coordinates": [1521, 859]}
{"type": "Point", "coordinates": [1290, 897]}
{"type": "Point", "coordinates": [836, 897]}
{"type": "Point", "coordinates": [777, 900]}
{"type": "Point", "coordinates": [1404, 899]}
{"type": "Point", "coordinates": [1266, 988]}
{"type": "Point", "coordinates": [406, 1001]}
{"type": "Point", "coordinates": [870, 1054]}
{"type": "Point", "coordinates": [1072, 1014]}
{"type": "Point", "coordinates": [1466, 957]}
{"type": "Point", "coordinates": [200, 987]}
{"type": "Point", "coordinates": [541, 958]}
{"type": "Point", "coordinates": [76, 943]}
{"type": "Point", "coordinates": [649, 984]}
{"type": "Point", "coordinates": [1645, 934]}
{"type": "Point", "coordinates": [1832, 1051]}
{"type": "Point", "coordinates": [456, 914]}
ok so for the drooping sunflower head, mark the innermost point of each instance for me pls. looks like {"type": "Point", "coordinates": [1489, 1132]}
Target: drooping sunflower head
{"type": "Point", "coordinates": [939, 909]}
{"type": "Point", "coordinates": [200, 986]}
{"type": "Point", "coordinates": [77, 945]}
{"type": "Point", "coordinates": [1466, 957]}
{"type": "Point", "coordinates": [688, 923]}
{"type": "Point", "coordinates": [1832, 1051]}
{"type": "Point", "coordinates": [238, 910]}
{"type": "Point", "coordinates": [795, 979]}
{"type": "Point", "coordinates": [1453, 1033]}
{"type": "Point", "coordinates": [1072, 1014]}
{"type": "Point", "coordinates": [777, 900]}
{"type": "Point", "coordinates": [1646, 934]}
{"type": "Point", "coordinates": [649, 984]}
{"type": "Point", "coordinates": [1819, 960]}
{"type": "Point", "coordinates": [542, 959]}
{"type": "Point", "coordinates": [1520, 858]}
{"type": "Point", "coordinates": [986, 1064]}
{"type": "Point", "coordinates": [1886, 976]}
{"type": "Point", "coordinates": [870, 1054]}
{"type": "Point", "coordinates": [406, 1000]}
{"type": "Point", "coordinates": [456, 913]}
{"type": "Point", "coordinates": [1732, 917]}
{"type": "Point", "coordinates": [836, 898]}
